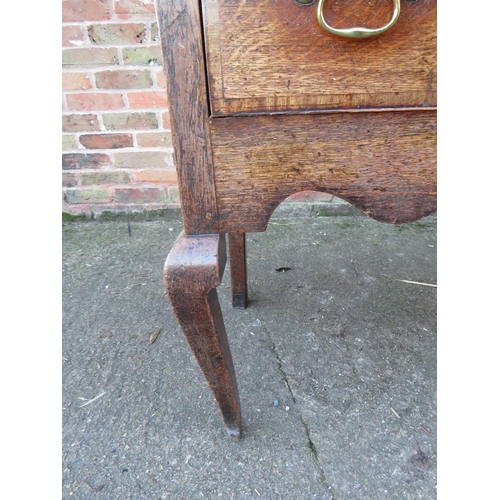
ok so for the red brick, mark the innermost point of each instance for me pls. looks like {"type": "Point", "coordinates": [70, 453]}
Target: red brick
{"type": "Point", "coordinates": [76, 81]}
{"type": "Point", "coordinates": [80, 123]}
{"type": "Point", "coordinates": [154, 33]}
{"type": "Point", "coordinates": [142, 56]}
{"type": "Point", "coordinates": [130, 121]}
{"type": "Point", "coordinates": [165, 118]}
{"type": "Point", "coordinates": [142, 159]}
{"type": "Point", "coordinates": [104, 177]}
{"type": "Point", "coordinates": [154, 139]}
{"type": "Point", "coordinates": [169, 158]}
{"type": "Point", "coordinates": [310, 196]}
{"type": "Point", "coordinates": [68, 142]}
{"type": "Point", "coordinates": [152, 176]}
{"type": "Point", "coordinates": [72, 36]}
{"type": "Point", "coordinates": [117, 34]}
{"type": "Point", "coordinates": [69, 179]}
{"type": "Point", "coordinates": [173, 195]}
{"type": "Point", "coordinates": [134, 9]}
{"type": "Point", "coordinates": [140, 195]}
{"type": "Point", "coordinates": [123, 79]}
{"type": "Point", "coordinates": [77, 161]}
{"type": "Point", "coordinates": [147, 100]}
{"type": "Point", "coordinates": [94, 101]}
{"type": "Point", "coordinates": [106, 141]}
{"type": "Point", "coordinates": [94, 56]}
{"type": "Point", "coordinates": [160, 79]}
{"type": "Point", "coordinates": [87, 10]}
{"type": "Point", "coordinates": [87, 195]}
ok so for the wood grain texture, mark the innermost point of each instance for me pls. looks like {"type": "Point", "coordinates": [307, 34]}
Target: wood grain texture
{"type": "Point", "coordinates": [383, 163]}
{"type": "Point", "coordinates": [193, 269]}
{"type": "Point", "coordinates": [184, 65]}
{"type": "Point", "coordinates": [238, 265]}
{"type": "Point", "coordinates": [274, 56]}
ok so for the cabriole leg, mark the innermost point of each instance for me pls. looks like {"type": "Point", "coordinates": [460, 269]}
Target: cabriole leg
{"type": "Point", "coordinates": [193, 269]}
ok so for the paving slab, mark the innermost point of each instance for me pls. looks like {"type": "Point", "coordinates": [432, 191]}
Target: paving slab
{"type": "Point", "coordinates": [335, 360]}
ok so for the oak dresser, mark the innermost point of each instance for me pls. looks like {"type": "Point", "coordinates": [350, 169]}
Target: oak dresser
{"type": "Point", "coordinates": [270, 98]}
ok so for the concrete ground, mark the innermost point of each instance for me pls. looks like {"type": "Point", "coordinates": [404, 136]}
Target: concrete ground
{"type": "Point", "coordinates": [335, 360]}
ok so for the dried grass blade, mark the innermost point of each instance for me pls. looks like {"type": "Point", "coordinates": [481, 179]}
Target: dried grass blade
{"type": "Point", "coordinates": [395, 412]}
{"type": "Point", "coordinates": [418, 283]}
{"type": "Point", "coordinates": [155, 335]}
{"type": "Point", "coordinates": [93, 399]}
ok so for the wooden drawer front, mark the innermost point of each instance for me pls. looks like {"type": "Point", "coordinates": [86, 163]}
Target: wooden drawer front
{"type": "Point", "coordinates": [268, 56]}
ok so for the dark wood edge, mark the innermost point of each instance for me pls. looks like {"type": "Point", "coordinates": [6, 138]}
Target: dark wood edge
{"type": "Point", "coordinates": [327, 103]}
{"type": "Point", "coordinates": [238, 267]}
{"type": "Point", "coordinates": [184, 64]}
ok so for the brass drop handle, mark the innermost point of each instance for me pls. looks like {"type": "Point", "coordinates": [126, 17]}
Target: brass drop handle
{"type": "Point", "coordinates": [358, 31]}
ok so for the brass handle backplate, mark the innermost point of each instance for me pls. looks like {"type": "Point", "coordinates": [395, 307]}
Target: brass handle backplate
{"type": "Point", "coordinates": [358, 31]}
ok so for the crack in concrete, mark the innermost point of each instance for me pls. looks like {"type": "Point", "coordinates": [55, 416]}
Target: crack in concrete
{"type": "Point", "coordinates": [310, 443]}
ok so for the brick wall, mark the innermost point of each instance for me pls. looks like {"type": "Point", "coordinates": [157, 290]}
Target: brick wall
{"type": "Point", "coordinates": [116, 141]}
